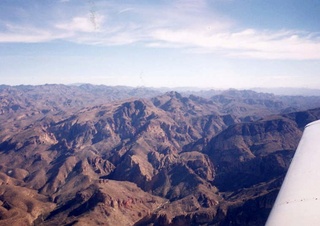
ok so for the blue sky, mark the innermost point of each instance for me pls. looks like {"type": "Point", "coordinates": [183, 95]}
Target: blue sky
{"type": "Point", "coordinates": [171, 43]}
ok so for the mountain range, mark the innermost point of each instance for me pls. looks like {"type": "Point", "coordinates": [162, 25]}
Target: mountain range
{"type": "Point", "coordinates": [99, 155]}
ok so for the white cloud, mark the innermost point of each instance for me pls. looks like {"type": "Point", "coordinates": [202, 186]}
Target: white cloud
{"type": "Point", "coordinates": [248, 43]}
{"type": "Point", "coordinates": [90, 23]}
{"type": "Point", "coordinates": [175, 26]}
{"type": "Point", "coordinates": [125, 10]}
{"type": "Point", "coordinates": [29, 34]}
{"type": "Point", "coordinates": [186, 24]}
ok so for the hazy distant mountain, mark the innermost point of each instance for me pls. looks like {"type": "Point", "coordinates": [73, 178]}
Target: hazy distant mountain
{"type": "Point", "coordinates": [290, 91]}
{"type": "Point", "coordinates": [90, 155]}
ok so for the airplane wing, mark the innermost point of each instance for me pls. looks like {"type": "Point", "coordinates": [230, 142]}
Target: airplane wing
{"type": "Point", "coordinates": [298, 202]}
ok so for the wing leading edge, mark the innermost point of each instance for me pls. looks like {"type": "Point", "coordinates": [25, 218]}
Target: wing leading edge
{"type": "Point", "coordinates": [298, 202]}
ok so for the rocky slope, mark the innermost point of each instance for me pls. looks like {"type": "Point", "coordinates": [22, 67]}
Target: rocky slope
{"type": "Point", "coordinates": [70, 156]}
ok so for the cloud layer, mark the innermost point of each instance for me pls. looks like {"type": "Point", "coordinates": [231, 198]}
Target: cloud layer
{"type": "Point", "coordinates": [190, 25]}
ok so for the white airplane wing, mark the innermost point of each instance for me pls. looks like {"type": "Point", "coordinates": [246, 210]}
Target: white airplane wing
{"type": "Point", "coordinates": [298, 202]}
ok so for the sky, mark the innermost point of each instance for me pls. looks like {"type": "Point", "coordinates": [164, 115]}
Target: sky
{"type": "Point", "coordinates": [161, 43]}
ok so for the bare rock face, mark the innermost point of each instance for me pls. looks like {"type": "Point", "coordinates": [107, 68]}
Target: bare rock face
{"type": "Point", "coordinates": [104, 202]}
{"type": "Point", "coordinates": [262, 150]}
{"type": "Point", "coordinates": [20, 205]}
{"type": "Point", "coordinates": [85, 156]}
